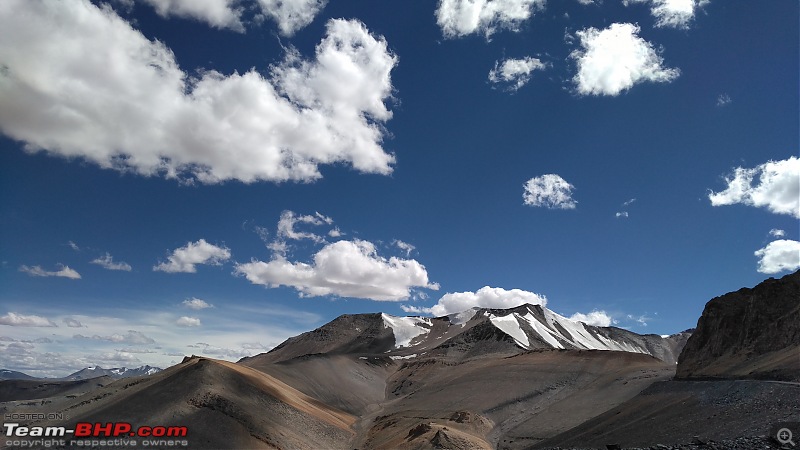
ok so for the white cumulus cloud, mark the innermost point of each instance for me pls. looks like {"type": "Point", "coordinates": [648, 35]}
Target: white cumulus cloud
{"type": "Point", "coordinates": [485, 297]}
{"type": "Point", "coordinates": [672, 13]}
{"type": "Point", "coordinates": [196, 303]}
{"type": "Point", "coordinates": [596, 318]}
{"type": "Point", "coordinates": [778, 256]}
{"type": "Point", "coordinates": [107, 262]}
{"type": "Point", "coordinates": [550, 191]}
{"type": "Point", "coordinates": [217, 13]}
{"type": "Point", "coordinates": [186, 321]}
{"type": "Point", "coordinates": [459, 18]}
{"type": "Point", "coordinates": [64, 272]}
{"type": "Point", "coordinates": [774, 185]}
{"type": "Point", "coordinates": [515, 73]}
{"type": "Point", "coordinates": [612, 60]}
{"type": "Point", "coordinates": [345, 269]}
{"type": "Point", "coordinates": [291, 15]}
{"type": "Point", "coordinates": [146, 115]}
{"type": "Point", "coordinates": [186, 258]}
{"type": "Point", "coordinates": [22, 320]}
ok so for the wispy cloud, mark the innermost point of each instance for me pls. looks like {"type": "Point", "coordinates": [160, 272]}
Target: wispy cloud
{"type": "Point", "coordinates": [514, 73]}
{"type": "Point", "coordinates": [404, 246]}
{"type": "Point", "coordinates": [642, 319]}
{"type": "Point", "coordinates": [72, 323]}
{"type": "Point", "coordinates": [775, 232]}
{"type": "Point", "coordinates": [107, 262]}
{"type": "Point", "coordinates": [289, 220]}
{"type": "Point", "coordinates": [63, 272]}
{"type": "Point", "coordinates": [186, 321]}
{"type": "Point", "coordinates": [131, 337]}
{"type": "Point", "coordinates": [21, 320]}
{"type": "Point", "coordinates": [724, 100]}
{"type": "Point", "coordinates": [115, 357]}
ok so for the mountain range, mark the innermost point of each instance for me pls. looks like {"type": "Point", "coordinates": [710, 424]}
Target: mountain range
{"type": "Point", "coordinates": [86, 373]}
{"type": "Point", "coordinates": [467, 334]}
{"type": "Point", "coordinates": [515, 378]}
{"type": "Point", "coordinates": [116, 372]}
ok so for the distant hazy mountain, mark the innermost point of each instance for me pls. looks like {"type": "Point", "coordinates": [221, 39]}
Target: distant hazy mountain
{"type": "Point", "coordinates": [119, 372]}
{"type": "Point", "coordinates": [13, 375]}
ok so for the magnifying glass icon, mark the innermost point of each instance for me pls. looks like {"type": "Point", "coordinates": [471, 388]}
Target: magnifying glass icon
{"type": "Point", "coordinates": [784, 436]}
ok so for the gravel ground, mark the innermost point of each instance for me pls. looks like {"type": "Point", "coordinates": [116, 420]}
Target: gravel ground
{"type": "Point", "coordinates": [741, 443]}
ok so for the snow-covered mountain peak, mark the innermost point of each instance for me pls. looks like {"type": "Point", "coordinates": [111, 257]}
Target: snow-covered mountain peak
{"type": "Point", "coordinates": [541, 325]}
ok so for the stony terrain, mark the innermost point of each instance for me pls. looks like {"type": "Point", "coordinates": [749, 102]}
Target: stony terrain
{"type": "Point", "coordinates": [683, 411]}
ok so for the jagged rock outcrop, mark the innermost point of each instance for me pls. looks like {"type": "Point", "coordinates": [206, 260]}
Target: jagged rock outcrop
{"type": "Point", "coordinates": [750, 333]}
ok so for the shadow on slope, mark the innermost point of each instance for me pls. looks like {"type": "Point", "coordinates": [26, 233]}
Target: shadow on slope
{"type": "Point", "coordinates": [223, 405]}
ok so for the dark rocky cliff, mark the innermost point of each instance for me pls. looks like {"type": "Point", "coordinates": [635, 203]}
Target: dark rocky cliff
{"type": "Point", "coordinates": [750, 333]}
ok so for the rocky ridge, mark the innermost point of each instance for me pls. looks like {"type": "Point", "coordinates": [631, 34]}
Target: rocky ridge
{"type": "Point", "coordinates": [750, 333]}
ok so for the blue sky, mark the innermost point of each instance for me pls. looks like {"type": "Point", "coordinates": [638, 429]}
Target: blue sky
{"type": "Point", "coordinates": [214, 176]}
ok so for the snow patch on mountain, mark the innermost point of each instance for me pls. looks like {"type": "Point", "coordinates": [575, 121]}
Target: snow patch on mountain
{"type": "Point", "coordinates": [545, 333]}
{"type": "Point", "coordinates": [406, 329]}
{"type": "Point", "coordinates": [115, 372]}
{"type": "Point", "coordinates": [510, 325]}
{"type": "Point", "coordinates": [463, 317]}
